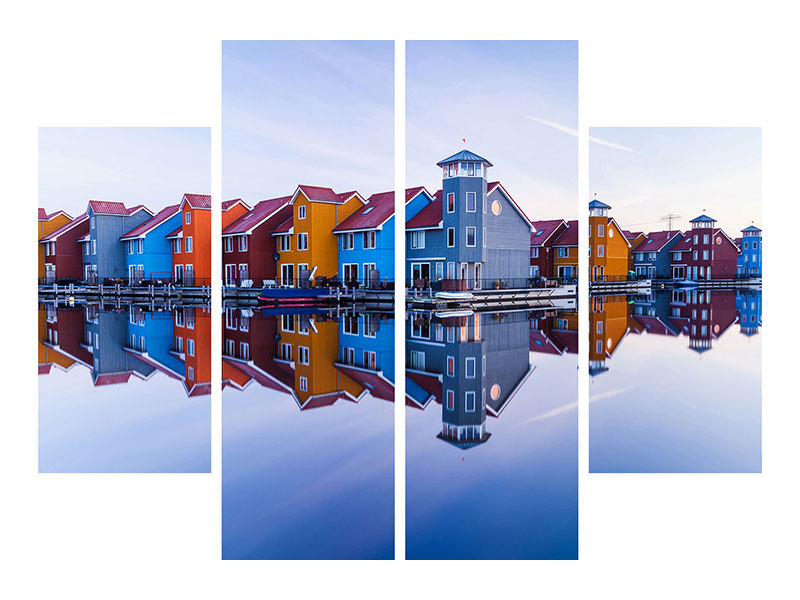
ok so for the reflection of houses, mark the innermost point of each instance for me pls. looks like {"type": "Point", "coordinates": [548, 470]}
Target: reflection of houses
{"type": "Point", "coordinates": [748, 303]}
{"type": "Point", "coordinates": [107, 335]}
{"type": "Point", "coordinates": [652, 256]}
{"type": "Point", "coordinates": [49, 356]}
{"type": "Point", "coordinates": [472, 365]}
{"type": "Point", "coordinates": [542, 250]}
{"type": "Point", "coordinates": [553, 332]}
{"type": "Point", "coordinates": [609, 249]}
{"type": "Point", "coordinates": [150, 339]}
{"type": "Point", "coordinates": [148, 252]}
{"type": "Point", "coordinates": [62, 252]}
{"type": "Point", "coordinates": [609, 322]}
{"type": "Point", "coordinates": [192, 333]}
{"type": "Point", "coordinates": [704, 315]}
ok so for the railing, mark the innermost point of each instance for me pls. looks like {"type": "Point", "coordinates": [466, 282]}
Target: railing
{"type": "Point", "coordinates": [462, 285]}
{"type": "Point", "coordinates": [129, 282]}
{"type": "Point", "coordinates": [256, 282]}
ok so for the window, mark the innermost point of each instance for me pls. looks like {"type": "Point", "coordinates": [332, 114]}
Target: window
{"type": "Point", "coordinates": [470, 236]}
{"type": "Point", "coordinates": [227, 244]}
{"type": "Point", "coordinates": [188, 218]}
{"type": "Point", "coordinates": [535, 252]}
{"type": "Point", "coordinates": [598, 347]}
{"type": "Point", "coordinates": [94, 222]}
{"type": "Point", "coordinates": [705, 254]}
{"type": "Point", "coordinates": [652, 256]}
{"type": "Point", "coordinates": [140, 246]}
{"type": "Point", "coordinates": [347, 241]}
{"type": "Point", "coordinates": [350, 325]}
{"type": "Point", "coordinates": [451, 237]}
{"type": "Point", "coordinates": [417, 360]}
{"type": "Point", "coordinates": [755, 246]}
{"type": "Point", "coordinates": [86, 249]}
{"type": "Point", "coordinates": [705, 238]}
{"type": "Point", "coordinates": [599, 327]}
{"type": "Point", "coordinates": [179, 345]}
{"type": "Point", "coordinates": [745, 245]}
{"type": "Point", "coordinates": [417, 239]}
{"type": "Point", "coordinates": [484, 237]}
{"type": "Point", "coordinates": [451, 366]}
{"type": "Point", "coordinates": [301, 212]}
{"type": "Point", "coordinates": [439, 271]}
{"type": "Point", "coordinates": [348, 355]}
{"type": "Point", "coordinates": [179, 322]}
{"type": "Point", "coordinates": [563, 252]}
{"type": "Point", "coordinates": [369, 360]}
{"type": "Point", "coordinates": [451, 203]}
{"type": "Point", "coordinates": [131, 242]}
{"type": "Point", "coordinates": [176, 245]}
{"type": "Point", "coordinates": [285, 243]}
{"type": "Point", "coordinates": [451, 400]}
{"type": "Point", "coordinates": [469, 367]}
{"type": "Point", "coordinates": [601, 250]}
{"type": "Point", "coordinates": [190, 347]}
{"type": "Point", "coordinates": [469, 401]}
{"type": "Point", "coordinates": [286, 352]}
{"type": "Point", "coordinates": [695, 238]}
{"type": "Point", "coordinates": [471, 204]}
{"type": "Point", "coordinates": [94, 246]}
{"type": "Point", "coordinates": [694, 255]}
{"type": "Point", "coordinates": [190, 374]}
{"type": "Point", "coordinates": [189, 245]}
{"type": "Point", "coordinates": [302, 241]}
{"type": "Point", "coordinates": [451, 270]}
{"type": "Point", "coordinates": [287, 323]}
{"type": "Point", "coordinates": [677, 256]}
{"type": "Point", "coordinates": [369, 240]}
{"type": "Point", "coordinates": [242, 243]}
{"type": "Point", "coordinates": [303, 380]}
{"type": "Point", "coordinates": [471, 169]}
{"type": "Point", "coordinates": [302, 355]}
{"type": "Point", "coordinates": [600, 230]}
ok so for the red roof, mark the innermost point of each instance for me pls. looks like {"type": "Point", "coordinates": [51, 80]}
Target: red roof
{"type": "Point", "coordinates": [568, 237]}
{"type": "Point", "coordinates": [411, 192]}
{"type": "Point", "coordinates": [198, 200]}
{"type": "Point", "coordinates": [133, 209]}
{"type": "Point", "coordinates": [632, 234]}
{"type": "Point", "coordinates": [45, 368]}
{"type": "Point", "coordinates": [108, 208]}
{"type": "Point", "coordinates": [376, 383]}
{"type": "Point", "coordinates": [378, 209]}
{"type": "Point", "coordinates": [228, 204]}
{"type": "Point", "coordinates": [547, 228]}
{"type": "Point", "coordinates": [429, 216]}
{"type": "Point", "coordinates": [284, 227]}
{"type": "Point", "coordinates": [153, 222]}
{"type": "Point", "coordinates": [428, 382]}
{"type": "Point", "coordinates": [175, 233]}
{"type": "Point", "coordinates": [112, 378]}
{"type": "Point", "coordinates": [323, 194]}
{"type": "Point", "coordinates": [655, 241]}
{"type": "Point", "coordinates": [259, 213]}
{"type": "Point", "coordinates": [55, 234]}
{"type": "Point", "coordinates": [42, 214]}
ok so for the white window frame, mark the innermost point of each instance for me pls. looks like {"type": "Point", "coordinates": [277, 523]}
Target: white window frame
{"type": "Point", "coordinates": [470, 360]}
{"type": "Point", "coordinates": [474, 237]}
{"type": "Point", "coordinates": [301, 212]}
{"type": "Point", "coordinates": [304, 245]}
{"type": "Point", "coordinates": [449, 230]}
{"type": "Point", "coordinates": [474, 202]}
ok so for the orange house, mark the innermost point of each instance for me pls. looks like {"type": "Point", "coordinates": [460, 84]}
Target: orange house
{"type": "Point", "coordinates": [313, 348]}
{"type": "Point", "coordinates": [609, 249]}
{"type": "Point", "coordinates": [609, 322]}
{"type": "Point", "coordinates": [48, 223]}
{"type": "Point", "coordinates": [191, 242]}
{"type": "Point", "coordinates": [192, 332]}
{"type": "Point", "coordinates": [232, 210]}
{"type": "Point", "coordinates": [306, 242]}
{"type": "Point", "coordinates": [49, 356]}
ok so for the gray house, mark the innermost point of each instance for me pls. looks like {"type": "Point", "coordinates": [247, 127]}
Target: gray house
{"type": "Point", "coordinates": [652, 257]}
{"type": "Point", "coordinates": [103, 253]}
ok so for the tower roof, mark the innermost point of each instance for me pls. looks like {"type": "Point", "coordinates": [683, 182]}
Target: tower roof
{"type": "Point", "coordinates": [597, 204]}
{"type": "Point", "coordinates": [464, 155]}
{"type": "Point", "coordinates": [703, 219]}
{"type": "Point", "coordinates": [750, 228]}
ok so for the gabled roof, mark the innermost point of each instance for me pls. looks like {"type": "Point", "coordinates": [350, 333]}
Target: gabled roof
{"type": "Point", "coordinates": [464, 155]}
{"type": "Point", "coordinates": [137, 208]}
{"type": "Point", "coordinates": [175, 234]}
{"type": "Point", "coordinates": [151, 223]}
{"type": "Point", "coordinates": [430, 217]}
{"type": "Point", "coordinates": [738, 242]}
{"type": "Point", "coordinates": [324, 194]}
{"type": "Point", "coordinates": [495, 185]}
{"type": "Point", "coordinates": [685, 244]}
{"type": "Point", "coordinates": [84, 238]}
{"type": "Point", "coordinates": [750, 228]}
{"type": "Point", "coordinates": [655, 241]}
{"type": "Point", "coordinates": [568, 237]}
{"type": "Point", "coordinates": [103, 207]}
{"type": "Point", "coordinates": [413, 192]}
{"type": "Point", "coordinates": [285, 227]}
{"type": "Point", "coordinates": [202, 201]}
{"type": "Point", "coordinates": [703, 219]}
{"type": "Point", "coordinates": [378, 209]}
{"type": "Point", "coordinates": [229, 204]}
{"type": "Point", "coordinates": [257, 215]}
{"type": "Point", "coordinates": [53, 235]}
{"type": "Point", "coordinates": [44, 216]}
{"type": "Point", "coordinates": [597, 204]}
{"type": "Point", "coordinates": [632, 235]}
{"type": "Point", "coordinates": [544, 229]}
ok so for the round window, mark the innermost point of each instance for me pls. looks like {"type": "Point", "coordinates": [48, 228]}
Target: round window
{"type": "Point", "coordinates": [608, 343]}
{"type": "Point", "coordinates": [495, 392]}
{"type": "Point", "coordinates": [719, 240]}
{"type": "Point", "coordinates": [610, 232]}
{"type": "Point", "coordinates": [497, 208]}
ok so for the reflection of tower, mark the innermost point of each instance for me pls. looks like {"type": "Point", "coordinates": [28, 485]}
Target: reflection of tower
{"type": "Point", "coordinates": [609, 322]}
{"type": "Point", "coordinates": [710, 315]}
{"type": "Point", "coordinates": [748, 303]}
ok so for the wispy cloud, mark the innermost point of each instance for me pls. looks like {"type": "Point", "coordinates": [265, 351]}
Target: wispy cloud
{"type": "Point", "coordinates": [574, 132]}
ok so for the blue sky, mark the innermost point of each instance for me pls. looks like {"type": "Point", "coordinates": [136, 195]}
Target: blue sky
{"type": "Point", "coordinates": [319, 113]}
{"type": "Point", "coordinates": [680, 170]}
{"type": "Point", "coordinates": [516, 103]}
{"type": "Point", "coordinates": [154, 166]}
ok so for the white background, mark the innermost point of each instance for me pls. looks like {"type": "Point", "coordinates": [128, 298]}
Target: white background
{"type": "Point", "coordinates": [157, 63]}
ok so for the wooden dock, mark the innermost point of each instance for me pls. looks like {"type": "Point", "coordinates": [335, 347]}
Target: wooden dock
{"type": "Point", "coordinates": [507, 299]}
{"type": "Point", "coordinates": [367, 298]}
{"type": "Point", "coordinates": [144, 294]}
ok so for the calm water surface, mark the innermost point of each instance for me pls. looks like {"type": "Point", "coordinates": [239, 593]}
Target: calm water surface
{"type": "Point", "coordinates": [307, 436]}
{"type": "Point", "coordinates": [491, 431]}
{"type": "Point", "coordinates": [124, 389]}
{"type": "Point", "coordinates": [675, 382]}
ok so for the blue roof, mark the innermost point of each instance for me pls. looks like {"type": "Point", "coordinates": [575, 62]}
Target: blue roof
{"type": "Point", "coordinates": [702, 218]}
{"type": "Point", "coordinates": [751, 228]}
{"type": "Point", "coordinates": [464, 155]}
{"type": "Point", "coordinates": [598, 204]}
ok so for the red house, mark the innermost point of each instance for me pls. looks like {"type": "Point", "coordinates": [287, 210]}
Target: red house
{"type": "Point", "coordinates": [248, 247]}
{"type": "Point", "coordinates": [544, 233]}
{"type": "Point", "coordinates": [706, 252]}
{"type": "Point", "coordinates": [63, 253]}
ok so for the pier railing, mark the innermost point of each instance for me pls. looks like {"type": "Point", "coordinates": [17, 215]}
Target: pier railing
{"type": "Point", "coordinates": [505, 283]}
{"type": "Point", "coordinates": [251, 282]}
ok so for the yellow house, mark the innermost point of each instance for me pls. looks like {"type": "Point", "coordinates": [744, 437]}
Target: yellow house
{"type": "Point", "coordinates": [306, 243]}
{"type": "Point", "coordinates": [313, 348]}
{"type": "Point", "coordinates": [609, 322]}
{"type": "Point", "coordinates": [48, 356]}
{"type": "Point", "coordinates": [609, 249]}
{"type": "Point", "coordinates": [48, 223]}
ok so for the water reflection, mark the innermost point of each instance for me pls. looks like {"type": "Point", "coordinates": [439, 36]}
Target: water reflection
{"type": "Point", "coordinates": [504, 484]}
{"type": "Point", "coordinates": [308, 435]}
{"type": "Point", "coordinates": [682, 393]}
{"type": "Point", "coordinates": [124, 388]}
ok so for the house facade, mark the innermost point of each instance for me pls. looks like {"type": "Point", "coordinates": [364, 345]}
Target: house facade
{"type": "Point", "coordinates": [307, 246]}
{"type": "Point", "coordinates": [705, 252]}
{"type": "Point", "coordinates": [47, 224]}
{"type": "Point", "coordinates": [542, 263]}
{"type": "Point", "coordinates": [62, 252]}
{"type": "Point", "coordinates": [652, 256]}
{"type": "Point", "coordinates": [424, 240]}
{"type": "Point", "coordinates": [565, 252]}
{"type": "Point", "coordinates": [609, 249]}
{"type": "Point", "coordinates": [191, 241]}
{"type": "Point", "coordinates": [103, 254]}
{"type": "Point", "coordinates": [748, 262]}
{"type": "Point", "coordinates": [248, 246]}
{"type": "Point", "coordinates": [148, 252]}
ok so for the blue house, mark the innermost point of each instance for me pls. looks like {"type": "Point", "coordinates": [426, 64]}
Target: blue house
{"type": "Point", "coordinates": [652, 256]}
{"type": "Point", "coordinates": [366, 352]}
{"type": "Point", "coordinates": [485, 235]}
{"type": "Point", "coordinates": [424, 240]}
{"type": "Point", "coordinates": [148, 252]}
{"type": "Point", "coordinates": [103, 254]}
{"type": "Point", "coordinates": [748, 261]}
{"type": "Point", "coordinates": [107, 336]}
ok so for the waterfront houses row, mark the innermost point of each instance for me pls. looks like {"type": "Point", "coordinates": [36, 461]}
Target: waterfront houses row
{"type": "Point", "coordinates": [111, 241]}
{"type": "Point", "coordinates": [703, 252]}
